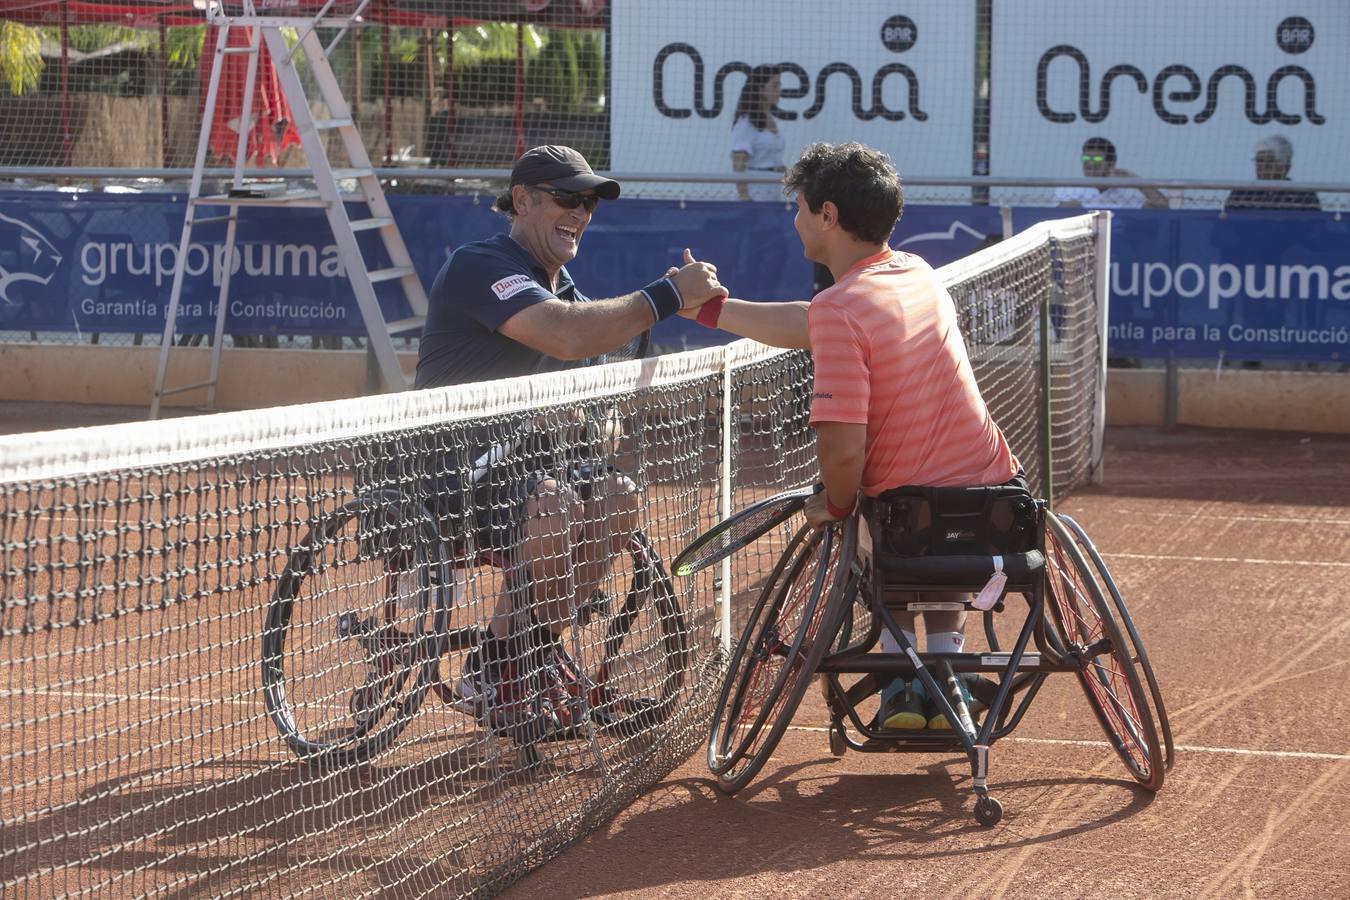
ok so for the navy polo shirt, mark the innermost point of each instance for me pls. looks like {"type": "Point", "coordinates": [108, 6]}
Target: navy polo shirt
{"type": "Point", "coordinates": [481, 285]}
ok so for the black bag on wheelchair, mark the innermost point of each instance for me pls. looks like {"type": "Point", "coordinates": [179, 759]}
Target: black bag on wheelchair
{"type": "Point", "coordinates": [997, 520]}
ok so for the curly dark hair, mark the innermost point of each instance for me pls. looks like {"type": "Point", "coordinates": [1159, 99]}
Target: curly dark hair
{"type": "Point", "coordinates": [857, 179]}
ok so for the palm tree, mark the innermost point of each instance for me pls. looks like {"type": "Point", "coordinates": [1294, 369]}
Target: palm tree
{"type": "Point", "coordinates": [20, 56]}
{"type": "Point", "coordinates": [21, 62]}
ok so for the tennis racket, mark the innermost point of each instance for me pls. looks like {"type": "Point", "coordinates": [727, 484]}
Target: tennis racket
{"type": "Point", "coordinates": [739, 530]}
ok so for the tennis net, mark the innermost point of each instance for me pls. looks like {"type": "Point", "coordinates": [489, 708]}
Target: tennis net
{"type": "Point", "coordinates": [244, 654]}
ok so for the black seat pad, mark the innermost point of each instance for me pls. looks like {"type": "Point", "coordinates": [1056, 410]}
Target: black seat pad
{"type": "Point", "coordinates": [974, 570]}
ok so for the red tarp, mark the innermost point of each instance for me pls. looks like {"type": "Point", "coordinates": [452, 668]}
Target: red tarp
{"type": "Point", "coordinates": [270, 112]}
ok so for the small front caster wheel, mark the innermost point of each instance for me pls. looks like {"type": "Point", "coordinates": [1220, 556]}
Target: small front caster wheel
{"type": "Point", "coordinates": [837, 745]}
{"type": "Point", "coordinates": [988, 811]}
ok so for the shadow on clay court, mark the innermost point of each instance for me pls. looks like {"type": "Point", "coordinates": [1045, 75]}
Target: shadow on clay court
{"type": "Point", "coordinates": [294, 811]}
{"type": "Point", "coordinates": [801, 817]}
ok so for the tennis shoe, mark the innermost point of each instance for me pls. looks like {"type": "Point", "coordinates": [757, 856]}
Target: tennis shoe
{"type": "Point", "coordinates": [903, 706]}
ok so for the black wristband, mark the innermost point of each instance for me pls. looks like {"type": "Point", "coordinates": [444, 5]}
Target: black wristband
{"type": "Point", "coordinates": [664, 298]}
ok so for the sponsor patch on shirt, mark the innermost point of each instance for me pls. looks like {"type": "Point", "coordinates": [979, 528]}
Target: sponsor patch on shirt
{"type": "Point", "coordinates": [510, 286]}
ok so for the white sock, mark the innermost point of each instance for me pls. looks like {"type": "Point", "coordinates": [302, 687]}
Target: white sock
{"type": "Point", "coordinates": [890, 645]}
{"type": "Point", "coordinates": [945, 641]}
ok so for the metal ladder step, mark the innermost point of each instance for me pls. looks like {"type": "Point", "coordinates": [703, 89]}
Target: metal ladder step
{"type": "Point", "coordinates": [291, 198]}
{"type": "Point", "coordinates": [405, 327]}
{"type": "Point", "coordinates": [170, 391]}
{"type": "Point", "coordinates": [390, 274]}
{"type": "Point", "coordinates": [370, 224]}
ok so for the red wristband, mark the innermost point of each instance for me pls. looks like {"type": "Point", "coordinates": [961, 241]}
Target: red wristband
{"type": "Point", "coordinates": [837, 511]}
{"type": "Point", "coordinates": [710, 312]}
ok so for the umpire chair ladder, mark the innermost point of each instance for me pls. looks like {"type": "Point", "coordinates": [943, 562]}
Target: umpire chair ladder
{"type": "Point", "coordinates": [327, 194]}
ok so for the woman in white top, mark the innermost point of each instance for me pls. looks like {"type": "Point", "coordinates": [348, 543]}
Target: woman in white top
{"type": "Point", "coordinates": [756, 145]}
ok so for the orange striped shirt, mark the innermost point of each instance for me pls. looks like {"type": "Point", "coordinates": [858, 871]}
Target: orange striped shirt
{"type": "Point", "coordinates": [888, 354]}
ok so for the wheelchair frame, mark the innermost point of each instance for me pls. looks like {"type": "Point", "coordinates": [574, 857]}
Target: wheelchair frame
{"type": "Point", "coordinates": [1079, 634]}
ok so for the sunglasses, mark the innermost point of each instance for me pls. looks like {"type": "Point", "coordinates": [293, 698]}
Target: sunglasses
{"type": "Point", "coordinates": [569, 200]}
{"type": "Point", "coordinates": [1093, 158]}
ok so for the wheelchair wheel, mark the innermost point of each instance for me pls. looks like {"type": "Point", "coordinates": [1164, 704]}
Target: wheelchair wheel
{"type": "Point", "coordinates": [1125, 622]}
{"type": "Point", "coordinates": [748, 678]}
{"type": "Point", "coordinates": [793, 626]}
{"type": "Point", "coordinates": [1106, 665]}
{"type": "Point", "coordinates": [632, 657]}
{"type": "Point", "coordinates": [354, 630]}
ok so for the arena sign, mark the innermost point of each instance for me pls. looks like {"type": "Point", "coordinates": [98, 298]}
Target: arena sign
{"type": "Point", "coordinates": [898, 78]}
{"type": "Point", "coordinates": [1181, 91]}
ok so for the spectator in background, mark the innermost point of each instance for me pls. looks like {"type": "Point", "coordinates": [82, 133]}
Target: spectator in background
{"type": "Point", "coordinates": [1099, 161]}
{"type": "Point", "coordinates": [1273, 156]}
{"type": "Point", "coordinates": [756, 145]}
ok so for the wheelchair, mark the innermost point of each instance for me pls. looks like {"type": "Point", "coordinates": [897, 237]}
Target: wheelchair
{"type": "Point", "coordinates": [824, 606]}
{"type": "Point", "coordinates": [358, 629]}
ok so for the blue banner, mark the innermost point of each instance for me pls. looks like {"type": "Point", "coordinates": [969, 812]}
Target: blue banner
{"type": "Point", "coordinates": [1263, 285]}
{"type": "Point", "coordinates": [1258, 285]}
{"type": "Point", "coordinates": [104, 262]}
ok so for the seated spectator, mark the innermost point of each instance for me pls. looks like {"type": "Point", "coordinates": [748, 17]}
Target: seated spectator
{"type": "Point", "coordinates": [1274, 156]}
{"type": "Point", "coordinates": [1099, 161]}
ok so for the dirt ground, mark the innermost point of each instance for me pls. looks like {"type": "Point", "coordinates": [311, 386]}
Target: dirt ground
{"type": "Point", "coordinates": [1232, 549]}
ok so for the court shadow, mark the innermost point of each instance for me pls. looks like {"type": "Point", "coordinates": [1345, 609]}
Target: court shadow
{"type": "Point", "coordinates": [804, 816]}
{"type": "Point", "coordinates": [443, 820]}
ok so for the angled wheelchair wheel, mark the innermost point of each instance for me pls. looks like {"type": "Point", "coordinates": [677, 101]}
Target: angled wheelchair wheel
{"type": "Point", "coordinates": [749, 678]}
{"type": "Point", "coordinates": [781, 647]}
{"type": "Point", "coordinates": [354, 630]}
{"type": "Point", "coordinates": [1125, 622]}
{"type": "Point", "coordinates": [1106, 668]}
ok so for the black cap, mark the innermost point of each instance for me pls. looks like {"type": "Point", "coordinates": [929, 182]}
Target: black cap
{"type": "Point", "coordinates": [563, 168]}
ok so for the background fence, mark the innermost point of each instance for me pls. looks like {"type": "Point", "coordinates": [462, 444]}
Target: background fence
{"type": "Point", "coordinates": [966, 94]}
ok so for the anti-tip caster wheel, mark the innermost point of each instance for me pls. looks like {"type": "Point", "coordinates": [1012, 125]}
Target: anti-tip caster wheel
{"type": "Point", "coordinates": [988, 811]}
{"type": "Point", "coordinates": [837, 745]}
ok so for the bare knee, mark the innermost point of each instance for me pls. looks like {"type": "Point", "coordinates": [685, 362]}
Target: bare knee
{"type": "Point", "coordinates": [613, 510]}
{"type": "Point", "coordinates": [551, 513]}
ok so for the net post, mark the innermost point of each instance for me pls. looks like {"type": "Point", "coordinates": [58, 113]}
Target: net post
{"type": "Point", "coordinates": [1047, 468]}
{"type": "Point", "coordinates": [728, 430]}
{"type": "Point", "coordinates": [1101, 223]}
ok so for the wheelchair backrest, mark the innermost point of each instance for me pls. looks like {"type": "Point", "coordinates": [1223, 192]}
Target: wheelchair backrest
{"type": "Point", "coordinates": [954, 521]}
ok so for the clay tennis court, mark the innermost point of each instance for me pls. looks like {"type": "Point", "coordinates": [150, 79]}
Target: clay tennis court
{"type": "Point", "coordinates": [1233, 550]}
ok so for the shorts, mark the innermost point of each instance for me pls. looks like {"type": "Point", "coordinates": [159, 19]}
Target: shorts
{"type": "Point", "coordinates": [439, 480]}
{"type": "Point", "coordinates": [499, 507]}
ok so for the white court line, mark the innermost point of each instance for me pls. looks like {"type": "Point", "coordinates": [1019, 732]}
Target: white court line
{"type": "Point", "coordinates": [1100, 745]}
{"type": "Point", "coordinates": [1231, 559]}
{"type": "Point", "coordinates": [1188, 748]}
{"type": "Point", "coordinates": [125, 698]}
{"type": "Point", "coordinates": [1274, 520]}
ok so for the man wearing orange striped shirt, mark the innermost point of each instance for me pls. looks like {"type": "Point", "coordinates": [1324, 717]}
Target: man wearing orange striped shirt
{"type": "Point", "coordinates": [895, 401]}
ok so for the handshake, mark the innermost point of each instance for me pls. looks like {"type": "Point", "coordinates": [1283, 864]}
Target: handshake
{"type": "Point", "coordinates": [697, 283]}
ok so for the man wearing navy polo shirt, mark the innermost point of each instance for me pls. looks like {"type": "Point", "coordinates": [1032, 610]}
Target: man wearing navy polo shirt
{"type": "Point", "coordinates": [504, 307]}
